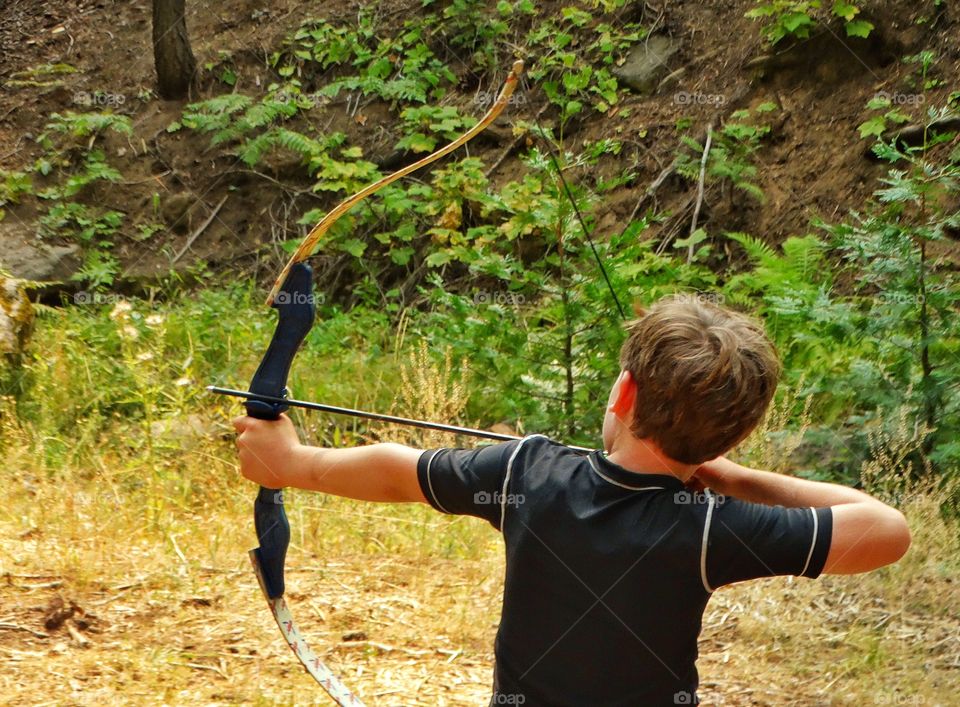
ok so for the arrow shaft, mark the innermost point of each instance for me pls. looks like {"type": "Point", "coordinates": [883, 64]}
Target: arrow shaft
{"type": "Point", "coordinates": [378, 417]}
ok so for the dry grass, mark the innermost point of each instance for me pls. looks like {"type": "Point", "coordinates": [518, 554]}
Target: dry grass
{"type": "Point", "coordinates": [126, 582]}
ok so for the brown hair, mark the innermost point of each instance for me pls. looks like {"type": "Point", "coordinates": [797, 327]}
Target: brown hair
{"type": "Point", "coordinates": [705, 376]}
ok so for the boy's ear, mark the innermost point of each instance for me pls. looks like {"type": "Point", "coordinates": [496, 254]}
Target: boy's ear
{"type": "Point", "coordinates": [624, 395]}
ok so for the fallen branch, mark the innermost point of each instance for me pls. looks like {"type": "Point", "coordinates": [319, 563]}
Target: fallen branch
{"type": "Point", "coordinates": [203, 227]}
{"type": "Point", "coordinates": [915, 134]}
{"type": "Point", "coordinates": [18, 627]}
{"type": "Point", "coordinates": [700, 181]}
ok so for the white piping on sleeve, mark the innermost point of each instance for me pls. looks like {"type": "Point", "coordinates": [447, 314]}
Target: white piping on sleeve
{"type": "Point", "coordinates": [506, 480]}
{"type": "Point", "coordinates": [430, 482]}
{"type": "Point", "coordinates": [813, 544]}
{"type": "Point", "coordinates": [711, 500]}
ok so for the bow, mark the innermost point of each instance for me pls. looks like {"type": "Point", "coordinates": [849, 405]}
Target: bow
{"type": "Point", "coordinates": [292, 297]}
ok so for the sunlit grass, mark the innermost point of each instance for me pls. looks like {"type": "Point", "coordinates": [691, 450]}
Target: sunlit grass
{"type": "Point", "coordinates": [123, 504]}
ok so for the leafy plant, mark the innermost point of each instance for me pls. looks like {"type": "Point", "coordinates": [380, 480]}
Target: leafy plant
{"type": "Point", "coordinates": [732, 150]}
{"type": "Point", "coordinates": [401, 68]}
{"type": "Point", "coordinates": [908, 297]}
{"type": "Point", "coordinates": [14, 184]}
{"type": "Point", "coordinates": [83, 125]}
{"type": "Point", "coordinates": [443, 121]}
{"type": "Point", "coordinates": [93, 229]}
{"type": "Point", "coordinates": [797, 18]}
{"type": "Point", "coordinates": [877, 125]}
{"type": "Point", "coordinates": [575, 75]}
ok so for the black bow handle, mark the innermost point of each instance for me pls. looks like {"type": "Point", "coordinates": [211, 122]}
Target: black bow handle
{"type": "Point", "coordinates": [297, 309]}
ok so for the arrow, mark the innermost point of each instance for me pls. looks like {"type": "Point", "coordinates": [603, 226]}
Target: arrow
{"type": "Point", "coordinates": [377, 416]}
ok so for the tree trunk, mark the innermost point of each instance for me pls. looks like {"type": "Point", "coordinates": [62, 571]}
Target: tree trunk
{"type": "Point", "coordinates": [176, 66]}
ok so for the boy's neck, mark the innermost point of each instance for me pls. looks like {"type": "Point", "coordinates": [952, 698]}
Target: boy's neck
{"type": "Point", "coordinates": [643, 456]}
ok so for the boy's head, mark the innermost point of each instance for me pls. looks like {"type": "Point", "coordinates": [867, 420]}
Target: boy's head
{"type": "Point", "coordinates": [704, 377]}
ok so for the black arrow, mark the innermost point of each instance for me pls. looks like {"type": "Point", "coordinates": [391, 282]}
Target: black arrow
{"type": "Point", "coordinates": [379, 417]}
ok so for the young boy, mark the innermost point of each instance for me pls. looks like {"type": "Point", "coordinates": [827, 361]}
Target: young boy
{"type": "Point", "coordinates": [612, 556]}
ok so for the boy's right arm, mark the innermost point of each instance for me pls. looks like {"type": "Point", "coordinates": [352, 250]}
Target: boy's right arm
{"type": "Point", "coordinates": [867, 533]}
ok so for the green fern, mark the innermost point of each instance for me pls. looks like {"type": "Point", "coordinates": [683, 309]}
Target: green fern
{"type": "Point", "coordinates": [215, 115]}
{"type": "Point", "coordinates": [797, 273]}
{"type": "Point", "coordinates": [297, 142]}
{"type": "Point", "coordinates": [757, 250]}
{"type": "Point", "coordinates": [83, 125]}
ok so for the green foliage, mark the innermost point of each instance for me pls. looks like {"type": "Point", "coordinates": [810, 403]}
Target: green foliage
{"type": "Point", "coordinates": [42, 76]}
{"type": "Point", "coordinates": [401, 68]}
{"type": "Point", "coordinates": [575, 74]}
{"type": "Point", "coordinates": [909, 298]}
{"type": "Point", "coordinates": [924, 79]}
{"type": "Point", "coordinates": [216, 115]}
{"type": "Point", "coordinates": [477, 28]}
{"type": "Point", "coordinates": [502, 275]}
{"type": "Point", "coordinates": [732, 150]}
{"type": "Point", "coordinates": [792, 291]}
{"type": "Point", "coordinates": [885, 338]}
{"type": "Point", "coordinates": [877, 125]}
{"type": "Point", "coordinates": [93, 168]}
{"type": "Point", "coordinates": [83, 125]}
{"type": "Point", "coordinates": [797, 18]}
{"type": "Point", "coordinates": [64, 175]}
{"type": "Point", "coordinates": [14, 184]}
{"type": "Point", "coordinates": [443, 121]}
{"type": "Point", "coordinates": [894, 104]}
{"type": "Point", "coordinates": [93, 228]}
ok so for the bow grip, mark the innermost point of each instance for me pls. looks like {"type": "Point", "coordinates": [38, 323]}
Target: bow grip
{"type": "Point", "coordinates": [296, 309]}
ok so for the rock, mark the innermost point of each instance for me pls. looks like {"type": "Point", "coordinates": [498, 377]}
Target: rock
{"type": "Point", "coordinates": [16, 316]}
{"type": "Point", "coordinates": [177, 211]}
{"type": "Point", "coordinates": [27, 258]}
{"type": "Point", "coordinates": [647, 63]}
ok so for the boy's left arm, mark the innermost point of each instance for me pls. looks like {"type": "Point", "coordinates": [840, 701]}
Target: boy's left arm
{"type": "Point", "coordinates": [271, 455]}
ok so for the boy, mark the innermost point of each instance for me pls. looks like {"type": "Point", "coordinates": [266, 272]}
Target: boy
{"type": "Point", "coordinates": [612, 556]}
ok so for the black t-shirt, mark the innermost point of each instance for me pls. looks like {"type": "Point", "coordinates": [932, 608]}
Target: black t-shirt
{"type": "Point", "coordinates": [608, 571]}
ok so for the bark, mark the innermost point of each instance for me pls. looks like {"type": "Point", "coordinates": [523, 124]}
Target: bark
{"type": "Point", "coordinates": [173, 58]}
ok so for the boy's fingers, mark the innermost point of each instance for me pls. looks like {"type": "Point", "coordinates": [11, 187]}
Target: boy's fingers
{"type": "Point", "coordinates": [241, 423]}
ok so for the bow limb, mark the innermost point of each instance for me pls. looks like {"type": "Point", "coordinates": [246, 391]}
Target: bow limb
{"type": "Point", "coordinates": [296, 308]}
{"type": "Point", "coordinates": [310, 241]}
{"type": "Point", "coordinates": [292, 297]}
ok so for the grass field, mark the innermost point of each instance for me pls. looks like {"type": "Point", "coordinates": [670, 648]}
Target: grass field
{"type": "Point", "coordinates": [125, 527]}
{"type": "Point", "coordinates": [129, 584]}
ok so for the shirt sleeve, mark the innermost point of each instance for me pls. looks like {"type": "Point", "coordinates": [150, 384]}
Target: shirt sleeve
{"type": "Point", "coordinates": [751, 540]}
{"type": "Point", "coordinates": [466, 481]}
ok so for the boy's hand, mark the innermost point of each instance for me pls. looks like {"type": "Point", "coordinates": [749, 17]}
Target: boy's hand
{"type": "Point", "coordinates": [270, 451]}
{"type": "Point", "coordinates": [709, 475]}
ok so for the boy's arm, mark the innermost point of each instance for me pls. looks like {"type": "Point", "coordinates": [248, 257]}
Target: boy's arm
{"type": "Point", "coordinates": [272, 456]}
{"type": "Point", "coordinates": [867, 533]}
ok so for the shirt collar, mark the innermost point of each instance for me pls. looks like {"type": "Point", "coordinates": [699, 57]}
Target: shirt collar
{"type": "Point", "coordinates": [618, 476]}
